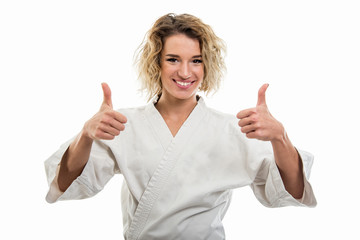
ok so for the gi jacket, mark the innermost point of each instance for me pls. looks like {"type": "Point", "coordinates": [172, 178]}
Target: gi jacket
{"type": "Point", "coordinates": [180, 187]}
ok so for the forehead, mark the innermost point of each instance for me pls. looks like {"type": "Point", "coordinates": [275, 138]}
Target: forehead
{"type": "Point", "coordinates": [181, 44]}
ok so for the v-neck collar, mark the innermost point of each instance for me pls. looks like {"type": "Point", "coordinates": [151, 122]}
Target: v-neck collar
{"type": "Point", "coordinates": [162, 130]}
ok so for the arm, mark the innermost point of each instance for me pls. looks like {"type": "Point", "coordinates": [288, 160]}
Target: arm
{"type": "Point", "coordinates": [106, 124]}
{"type": "Point", "coordinates": [258, 123]}
{"type": "Point", "coordinates": [289, 165]}
{"type": "Point", "coordinates": [74, 160]}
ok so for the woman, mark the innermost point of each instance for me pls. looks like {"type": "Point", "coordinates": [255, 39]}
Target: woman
{"type": "Point", "coordinates": [180, 159]}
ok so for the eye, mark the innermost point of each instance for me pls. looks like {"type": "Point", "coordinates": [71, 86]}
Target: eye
{"type": "Point", "coordinates": [197, 61]}
{"type": "Point", "coordinates": [172, 60]}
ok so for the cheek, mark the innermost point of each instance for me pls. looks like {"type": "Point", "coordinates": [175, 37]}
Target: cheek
{"type": "Point", "coordinates": [167, 71]}
{"type": "Point", "coordinates": [200, 73]}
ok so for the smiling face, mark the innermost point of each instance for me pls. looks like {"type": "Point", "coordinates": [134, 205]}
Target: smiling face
{"type": "Point", "coordinates": [182, 69]}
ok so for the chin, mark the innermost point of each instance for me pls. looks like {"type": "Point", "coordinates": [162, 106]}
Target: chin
{"type": "Point", "coordinates": [184, 96]}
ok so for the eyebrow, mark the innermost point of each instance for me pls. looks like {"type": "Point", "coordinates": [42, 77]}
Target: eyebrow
{"type": "Point", "coordinates": [174, 55]}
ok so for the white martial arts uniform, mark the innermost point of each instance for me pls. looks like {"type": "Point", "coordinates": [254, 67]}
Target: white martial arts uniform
{"type": "Point", "coordinates": [180, 187]}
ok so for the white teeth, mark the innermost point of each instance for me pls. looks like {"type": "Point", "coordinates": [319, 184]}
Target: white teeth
{"type": "Point", "coordinates": [183, 83]}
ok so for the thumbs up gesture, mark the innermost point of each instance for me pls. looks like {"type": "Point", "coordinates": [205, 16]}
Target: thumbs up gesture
{"type": "Point", "coordinates": [258, 123]}
{"type": "Point", "coordinates": [106, 123]}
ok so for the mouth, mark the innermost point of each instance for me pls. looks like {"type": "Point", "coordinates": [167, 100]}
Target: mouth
{"type": "Point", "coordinates": [183, 84]}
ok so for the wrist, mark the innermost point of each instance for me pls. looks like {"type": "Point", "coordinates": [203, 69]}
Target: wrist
{"type": "Point", "coordinates": [85, 134]}
{"type": "Point", "coordinates": [84, 138]}
{"type": "Point", "coordinates": [282, 145]}
{"type": "Point", "coordinates": [280, 137]}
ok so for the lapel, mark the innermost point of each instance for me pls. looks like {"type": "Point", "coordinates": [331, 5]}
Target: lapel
{"type": "Point", "coordinates": [173, 146]}
{"type": "Point", "coordinates": [158, 125]}
{"type": "Point", "coordinates": [161, 130]}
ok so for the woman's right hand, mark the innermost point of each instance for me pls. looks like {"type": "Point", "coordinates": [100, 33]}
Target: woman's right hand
{"type": "Point", "coordinates": [107, 123]}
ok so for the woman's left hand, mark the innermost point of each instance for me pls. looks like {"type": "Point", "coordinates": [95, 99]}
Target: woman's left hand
{"type": "Point", "coordinates": [258, 122]}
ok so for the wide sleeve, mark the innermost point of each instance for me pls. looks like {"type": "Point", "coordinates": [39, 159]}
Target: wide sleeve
{"type": "Point", "coordinates": [99, 169]}
{"type": "Point", "coordinates": [269, 188]}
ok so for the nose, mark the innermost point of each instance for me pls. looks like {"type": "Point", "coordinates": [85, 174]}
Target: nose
{"type": "Point", "coordinates": [184, 71]}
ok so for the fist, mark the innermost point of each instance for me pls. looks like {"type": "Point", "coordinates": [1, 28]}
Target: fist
{"type": "Point", "coordinates": [106, 123]}
{"type": "Point", "coordinates": [258, 123]}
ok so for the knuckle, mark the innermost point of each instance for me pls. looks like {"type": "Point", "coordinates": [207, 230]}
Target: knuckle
{"type": "Point", "coordinates": [98, 133]}
{"type": "Point", "coordinates": [104, 118]}
{"type": "Point", "coordinates": [108, 114]}
{"type": "Point", "coordinates": [260, 134]}
{"type": "Point", "coordinates": [257, 125]}
{"type": "Point", "coordinates": [111, 113]}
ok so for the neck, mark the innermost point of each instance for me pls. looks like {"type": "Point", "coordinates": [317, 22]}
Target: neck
{"type": "Point", "coordinates": [172, 106]}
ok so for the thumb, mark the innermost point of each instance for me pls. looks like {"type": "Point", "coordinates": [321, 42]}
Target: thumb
{"type": "Point", "coordinates": [107, 94]}
{"type": "Point", "coordinates": [261, 95]}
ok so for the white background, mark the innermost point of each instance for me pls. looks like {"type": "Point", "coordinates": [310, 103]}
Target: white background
{"type": "Point", "coordinates": [55, 54]}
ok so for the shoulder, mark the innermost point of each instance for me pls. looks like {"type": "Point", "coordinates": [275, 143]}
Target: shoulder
{"type": "Point", "coordinates": [132, 111]}
{"type": "Point", "coordinates": [228, 123]}
{"type": "Point", "coordinates": [135, 116]}
{"type": "Point", "coordinates": [228, 132]}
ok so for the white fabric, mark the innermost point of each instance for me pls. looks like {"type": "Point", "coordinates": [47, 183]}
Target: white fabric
{"type": "Point", "coordinates": [180, 187]}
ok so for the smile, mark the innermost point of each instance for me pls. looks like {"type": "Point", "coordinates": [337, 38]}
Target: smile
{"type": "Point", "coordinates": [183, 84]}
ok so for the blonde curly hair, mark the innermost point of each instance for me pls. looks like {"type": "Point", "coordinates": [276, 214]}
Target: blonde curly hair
{"type": "Point", "coordinates": [148, 54]}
